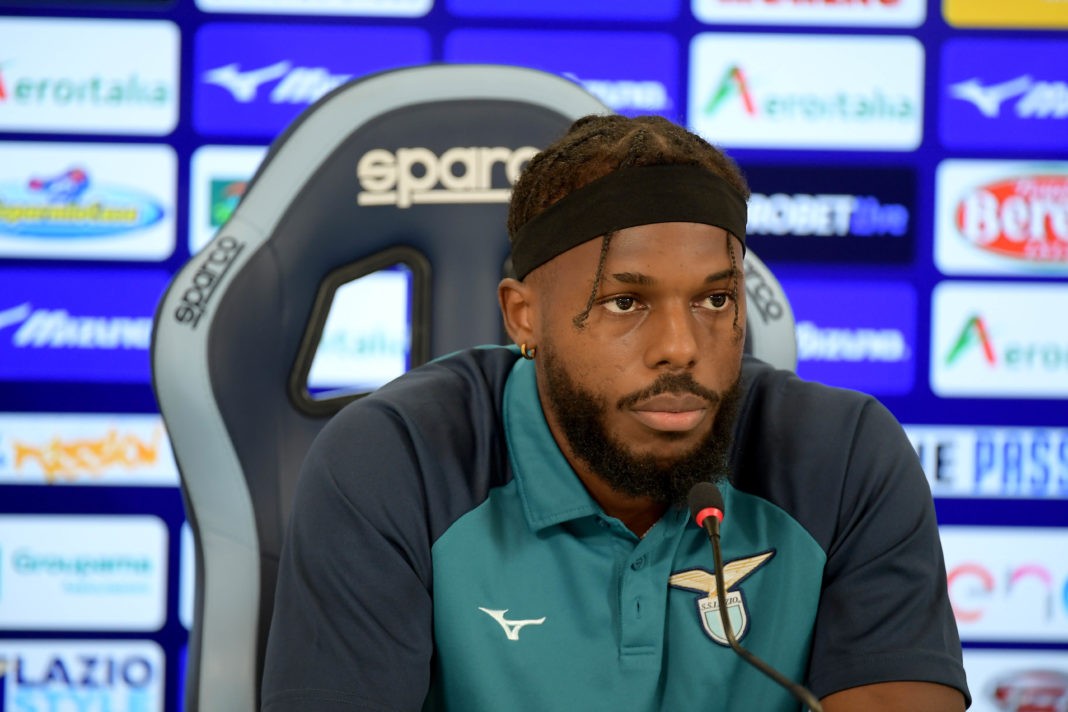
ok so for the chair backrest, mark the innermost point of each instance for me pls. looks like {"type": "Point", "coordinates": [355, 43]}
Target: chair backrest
{"type": "Point", "coordinates": [411, 166]}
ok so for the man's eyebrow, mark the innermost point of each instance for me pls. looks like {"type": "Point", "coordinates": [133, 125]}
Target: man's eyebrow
{"type": "Point", "coordinates": [645, 280]}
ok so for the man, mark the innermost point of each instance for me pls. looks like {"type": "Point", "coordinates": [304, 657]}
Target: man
{"type": "Point", "coordinates": [502, 529]}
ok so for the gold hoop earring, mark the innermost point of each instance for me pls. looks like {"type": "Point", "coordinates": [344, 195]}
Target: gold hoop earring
{"type": "Point", "coordinates": [528, 354]}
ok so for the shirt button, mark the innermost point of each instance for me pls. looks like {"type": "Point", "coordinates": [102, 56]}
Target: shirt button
{"type": "Point", "coordinates": [638, 563]}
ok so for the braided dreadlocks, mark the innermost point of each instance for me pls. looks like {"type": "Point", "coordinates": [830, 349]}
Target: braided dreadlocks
{"type": "Point", "coordinates": [597, 145]}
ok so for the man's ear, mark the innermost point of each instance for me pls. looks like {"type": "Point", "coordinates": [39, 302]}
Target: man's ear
{"type": "Point", "coordinates": [517, 309]}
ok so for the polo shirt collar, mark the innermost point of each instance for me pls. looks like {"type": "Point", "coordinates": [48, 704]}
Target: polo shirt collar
{"type": "Point", "coordinates": [550, 490]}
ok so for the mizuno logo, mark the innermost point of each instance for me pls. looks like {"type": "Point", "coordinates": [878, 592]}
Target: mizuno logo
{"type": "Point", "coordinates": [297, 85]}
{"type": "Point", "coordinates": [1038, 99]}
{"type": "Point", "coordinates": [511, 628]}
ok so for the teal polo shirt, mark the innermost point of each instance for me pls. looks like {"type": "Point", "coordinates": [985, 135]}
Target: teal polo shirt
{"type": "Point", "coordinates": [544, 602]}
{"type": "Point", "coordinates": [443, 555]}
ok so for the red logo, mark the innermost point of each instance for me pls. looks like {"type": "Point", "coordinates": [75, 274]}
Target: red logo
{"type": "Point", "coordinates": [1024, 218]}
{"type": "Point", "coordinates": [1032, 691]}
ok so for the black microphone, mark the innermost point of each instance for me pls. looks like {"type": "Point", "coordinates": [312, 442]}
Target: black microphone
{"type": "Point", "coordinates": [706, 508]}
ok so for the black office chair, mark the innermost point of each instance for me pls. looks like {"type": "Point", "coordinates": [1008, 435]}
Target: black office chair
{"type": "Point", "coordinates": [410, 167]}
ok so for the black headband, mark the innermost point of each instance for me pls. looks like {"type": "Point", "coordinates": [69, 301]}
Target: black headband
{"type": "Point", "coordinates": [629, 197]}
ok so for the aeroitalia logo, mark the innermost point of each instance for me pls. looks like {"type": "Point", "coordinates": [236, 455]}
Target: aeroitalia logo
{"type": "Point", "coordinates": [974, 334]}
{"type": "Point", "coordinates": [732, 84]}
{"type": "Point", "coordinates": [999, 339]}
{"type": "Point", "coordinates": [807, 91]}
{"type": "Point", "coordinates": [101, 91]}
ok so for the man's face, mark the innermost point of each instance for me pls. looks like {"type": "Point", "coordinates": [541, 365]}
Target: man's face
{"type": "Point", "coordinates": [643, 392]}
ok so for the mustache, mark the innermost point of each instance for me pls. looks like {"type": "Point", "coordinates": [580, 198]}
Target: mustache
{"type": "Point", "coordinates": [678, 383]}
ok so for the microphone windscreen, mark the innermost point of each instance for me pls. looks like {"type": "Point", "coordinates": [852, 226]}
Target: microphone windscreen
{"type": "Point", "coordinates": [704, 495]}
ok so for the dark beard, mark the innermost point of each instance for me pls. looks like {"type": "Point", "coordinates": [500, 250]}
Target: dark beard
{"type": "Point", "coordinates": [582, 417]}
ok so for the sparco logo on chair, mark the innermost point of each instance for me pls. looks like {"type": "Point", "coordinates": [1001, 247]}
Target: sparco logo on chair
{"type": "Point", "coordinates": [463, 174]}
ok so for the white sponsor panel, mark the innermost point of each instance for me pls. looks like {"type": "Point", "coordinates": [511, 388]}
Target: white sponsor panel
{"type": "Point", "coordinates": [999, 340]}
{"type": "Point", "coordinates": [993, 461]}
{"type": "Point", "coordinates": [83, 572]}
{"type": "Point", "coordinates": [807, 91]}
{"type": "Point", "coordinates": [1007, 584]}
{"type": "Point", "coordinates": [218, 178]}
{"type": "Point", "coordinates": [76, 675]}
{"type": "Point", "coordinates": [187, 575]}
{"type": "Point", "coordinates": [1002, 217]}
{"type": "Point", "coordinates": [85, 449]}
{"type": "Point", "coordinates": [1017, 680]}
{"type": "Point", "coordinates": [366, 338]}
{"type": "Point", "coordinates": [89, 76]}
{"type": "Point", "coordinates": [87, 200]}
{"type": "Point", "coordinates": [383, 8]}
{"type": "Point", "coordinates": [856, 13]}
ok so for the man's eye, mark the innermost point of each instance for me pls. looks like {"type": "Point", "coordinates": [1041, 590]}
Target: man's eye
{"type": "Point", "coordinates": [718, 302]}
{"type": "Point", "coordinates": [621, 304]}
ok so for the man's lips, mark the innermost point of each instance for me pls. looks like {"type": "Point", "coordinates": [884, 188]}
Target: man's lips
{"type": "Point", "coordinates": [671, 412]}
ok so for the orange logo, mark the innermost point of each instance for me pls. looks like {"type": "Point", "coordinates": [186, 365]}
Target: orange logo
{"type": "Point", "coordinates": [71, 459]}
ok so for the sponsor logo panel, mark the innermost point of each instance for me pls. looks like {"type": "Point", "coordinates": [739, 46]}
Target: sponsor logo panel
{"type": "Point", "coordinates": [62, 675]}
{"type": "Point", "coordinates": [253, 80]}
{"type": "Point", "coordinates": [103, 90]}
{"type": "Point", "coordinates": [568, 9]}
{"type": "Point", "coordinates": [1017, 680]}
{"type": "Point", "coordinates": [996, 339]}
{"type": "Point", "coordinates": [87, 201]}
{"type": "Point", "coordinates": [85, 449]}
{"type": "Point", "coordinates": [218, 179]}
{"type": "Point", "coordinates": [996, 13]}
{"type": "Point", "coordinates": [76, 572]}
{"type": "Point", "coordinates": [383, 8]}
{"type": "Point", "coordinates": [1002, 217]}
{"type": "Point", "coordinates": [831, 214]}
{"type": "Point", "coordinates": [1007, 584]}
{"type": "Point", "coordinates": [69, 325]}
{"type": "Point", "coordinates": [807, 91]}
{"type": "Point", "coordinates": [631, 72]}
{"type": "Point", "coordinates": [857, 335]}
{"type": "Point", "coordinates": [1004, 93]}
{"type": "Point", "coordinates": [885, 13]}
{"type": "Point", "coordinates": [993, 461]}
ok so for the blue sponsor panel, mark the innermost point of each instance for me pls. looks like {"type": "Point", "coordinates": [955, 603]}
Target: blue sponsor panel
{"type": "Point", "coordinates": [70, 325]}
{"type": "Point", "coordinates": [568, 9]}
{"type": "Point", "coordinates": [992, 461]}
{"type": "Point", "coordinates": [632, 72]}
{"type": "Point", "coordinates": [101, 675]}
{"type": "Point", "coordinates": [827, 214]}
{"type": "Point", "coordinates": [253, 79]}
{"type": "Point", "coordinates": [859, 335]}
{"type": "Point", "coordinates": [1004, 93]}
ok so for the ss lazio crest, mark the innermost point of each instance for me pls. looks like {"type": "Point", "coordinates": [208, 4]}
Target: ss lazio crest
{"type": "Point", "coordinates": [704, 581]}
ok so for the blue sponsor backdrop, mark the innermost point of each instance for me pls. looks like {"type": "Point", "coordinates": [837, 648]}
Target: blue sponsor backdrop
{"type": "Point", "coordinates": [633, 73]}
{"type": "Point", "coordinates": [834, 214]}
{"type": "Point", "coordinates": [859, 335]}
{"type": "Point", "coordinates": [850, 233]}
{"type": "Point", "coordinates": [1004, 93]}
{"type": "Point", "coordinates": [73, 325]}
{"type": "Point", "coordinates": [253, 79]}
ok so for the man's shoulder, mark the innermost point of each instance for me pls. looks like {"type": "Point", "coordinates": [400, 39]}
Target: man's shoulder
{"type": "Point", "coordinates": [457, 396]}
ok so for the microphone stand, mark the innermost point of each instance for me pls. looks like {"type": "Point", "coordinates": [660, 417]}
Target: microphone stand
{"type": "Point", "coordinates": [711, 525]}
